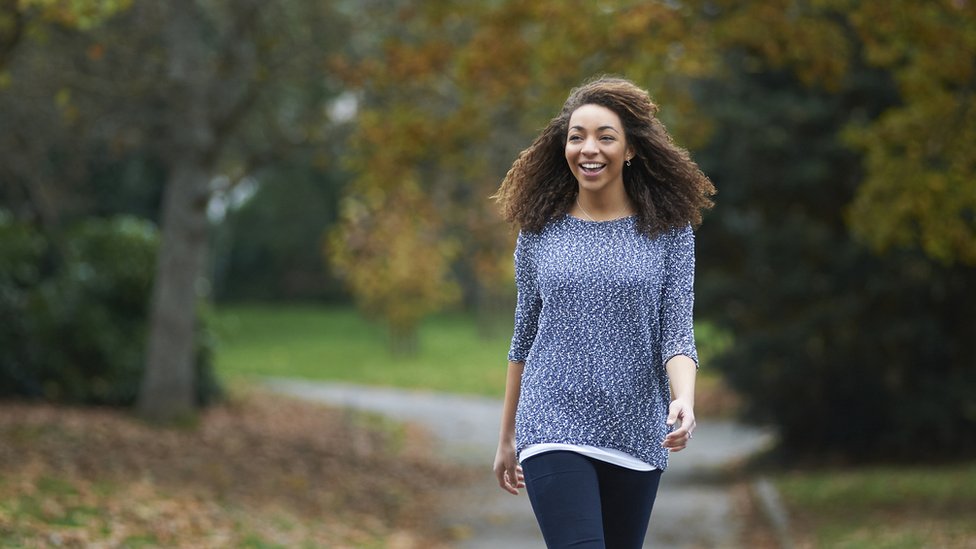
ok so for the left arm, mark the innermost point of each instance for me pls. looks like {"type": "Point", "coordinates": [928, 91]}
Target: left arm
{"type": "Point", "coordinates": [678, 336]}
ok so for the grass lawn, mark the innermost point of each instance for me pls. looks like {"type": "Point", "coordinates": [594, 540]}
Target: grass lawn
{"type": "Point", "coordinates": [338, 344]}
{"type": "Point", "coordinates": [883, 507]}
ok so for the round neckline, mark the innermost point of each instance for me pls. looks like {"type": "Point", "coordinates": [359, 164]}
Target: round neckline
{"type": "Point", "coordinates": [595, 222]}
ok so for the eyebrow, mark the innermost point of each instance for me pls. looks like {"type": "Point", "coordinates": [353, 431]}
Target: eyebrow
{"type": "Point", "coordinates": [601, 128]}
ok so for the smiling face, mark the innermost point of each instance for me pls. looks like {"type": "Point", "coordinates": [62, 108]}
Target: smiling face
{"type": "Point", "coordinates": [596, 148]}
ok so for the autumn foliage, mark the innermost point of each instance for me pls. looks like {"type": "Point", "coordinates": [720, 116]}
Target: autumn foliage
{"type": "Point", "coordinates": [838, 132]}
{"type": "Point", "coordinates": [457, 89]}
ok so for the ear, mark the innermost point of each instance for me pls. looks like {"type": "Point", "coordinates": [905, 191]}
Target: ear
{"type": "Point", "coordinates": [630, 153]}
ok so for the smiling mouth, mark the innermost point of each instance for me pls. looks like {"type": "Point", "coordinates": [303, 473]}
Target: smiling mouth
{"type": "Point", "coordinates": [591, 168]}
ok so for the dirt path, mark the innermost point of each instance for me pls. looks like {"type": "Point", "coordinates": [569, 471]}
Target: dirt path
{"type": "Point", "coordinates": [694, 508]}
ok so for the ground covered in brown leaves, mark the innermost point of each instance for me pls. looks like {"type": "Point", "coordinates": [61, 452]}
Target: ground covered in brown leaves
{"type": "Point", "coordinates": [259, 471]}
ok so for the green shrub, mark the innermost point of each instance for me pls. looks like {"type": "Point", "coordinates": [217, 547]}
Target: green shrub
{"type": "Point", "coordinates": [22, 251]}
{"type": "Point", "coordinates": [77, 332]}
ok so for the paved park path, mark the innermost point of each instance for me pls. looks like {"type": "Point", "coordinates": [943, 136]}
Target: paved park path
{"type": "Point", "coordinates": [694, 507]}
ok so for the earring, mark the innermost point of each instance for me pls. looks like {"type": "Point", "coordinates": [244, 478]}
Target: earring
{"type": "Point", "coordinates": [628, 162]}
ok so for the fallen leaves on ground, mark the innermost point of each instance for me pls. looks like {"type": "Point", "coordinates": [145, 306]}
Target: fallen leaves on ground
{"type": "Point", "coordinates": [260, 471]}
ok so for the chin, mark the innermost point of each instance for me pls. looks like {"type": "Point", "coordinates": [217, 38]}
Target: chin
{"type": "Point", "coordinates": [592, 186]}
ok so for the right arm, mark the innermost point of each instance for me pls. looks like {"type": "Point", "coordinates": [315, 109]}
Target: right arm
{"type": "Point", "coordinates": [527, 309]}
{"type": "Point", "coordinates": [507, 470]}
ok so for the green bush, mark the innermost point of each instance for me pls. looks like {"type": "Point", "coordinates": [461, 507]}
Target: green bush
{"type": "Point", "coordinates": [22, 251]}
{"type": "Point", "coordinates": [76, 331]}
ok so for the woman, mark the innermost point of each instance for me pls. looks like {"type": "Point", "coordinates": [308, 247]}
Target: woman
{"type": "Point", "coordinates": [601, 373]}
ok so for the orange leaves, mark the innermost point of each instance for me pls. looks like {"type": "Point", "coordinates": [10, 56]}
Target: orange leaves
{"type": "Point", "coordinates": [264, 471]}
{"type": "Point", "coordinates": [459, 88]}
{"type": "Point", "coordinates": [921, 185]}
{"type": "Point", "coordinates": [95, 51]}
{"type": "Point", "coordinates": [920, 189]}
{"type": "Point", "coordinates": [804, 37]}
{"type": "Point", "coordinates": [406, 61]}
{"type": "Point", "coordinates": [452, 96]}
{"type": "Point", "coordinates": [391, 251]}
{"type": "Point", "coordinates": [928, 43]}
{"type": "Point", "coordinates": [495, 59]}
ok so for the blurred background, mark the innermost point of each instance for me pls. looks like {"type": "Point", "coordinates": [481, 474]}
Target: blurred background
{"type": "Point", "coordinates": [194, 193]}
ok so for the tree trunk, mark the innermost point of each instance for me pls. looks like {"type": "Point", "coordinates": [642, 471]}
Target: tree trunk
{"type": "Point", "coordinates": [168, 386]}
{"type": "Point", "coordinates": [168, 390]}
{"type": "Point", "coordinates": [13, 29]}
{"type": "Point", "coordinates": [404, 341]}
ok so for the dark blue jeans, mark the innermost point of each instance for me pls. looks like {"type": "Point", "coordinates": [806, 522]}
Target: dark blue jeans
{"type": "Point", "coordinates": [587, 503]}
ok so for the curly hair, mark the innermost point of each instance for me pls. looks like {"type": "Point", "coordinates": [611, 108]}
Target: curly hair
{"type": "Point", "coordinates": [664, 183]}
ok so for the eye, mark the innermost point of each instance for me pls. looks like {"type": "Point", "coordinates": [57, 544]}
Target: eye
{"type": "Point", "coordinates": [607, 138]}
{"type": "Point", "coordinates": [575, 138]}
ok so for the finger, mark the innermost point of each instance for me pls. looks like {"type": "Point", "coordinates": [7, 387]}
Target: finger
{"type": "Point", "coordinates": [505, 485]}
{"type": "Point", "coordinates": [679, 437]}
{"type": "Point", "coordinates": [678, 434]}
{"type": "Point", "coordinates": [511, 482]}
{"type": "Point", "coordinates": [501, 475]}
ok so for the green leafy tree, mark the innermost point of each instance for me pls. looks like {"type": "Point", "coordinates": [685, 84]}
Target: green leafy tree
{"type": "Point", "coordinates": [206, 93]}
{"type": "Point", "coordinates": [221, 105]}
{"type": "Point", "coordinates": [20, 18]}
{"type": "Point", "coordinates": [269, 246]}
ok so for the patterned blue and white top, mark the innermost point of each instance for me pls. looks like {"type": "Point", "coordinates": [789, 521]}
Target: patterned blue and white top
{"type": "Point", "coordinates": [601, 308]}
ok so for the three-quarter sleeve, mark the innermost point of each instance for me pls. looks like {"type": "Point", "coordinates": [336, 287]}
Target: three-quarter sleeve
{"type": "Point", "coordinates": [529, 302]}
{"type": "Point", "coordinates": [678, 297]}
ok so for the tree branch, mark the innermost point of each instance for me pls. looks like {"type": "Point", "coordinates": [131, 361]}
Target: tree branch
{"type": "Point", "coordinates": [12, 36]}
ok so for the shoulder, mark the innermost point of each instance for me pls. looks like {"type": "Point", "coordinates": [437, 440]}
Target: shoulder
{"type": "Point", "coordinates": [676, 240]}
{"type": "Point", "coordinates": [526, 241]}
{"type": "Point", "coordinates": [530, 238]}
{"type": "Point", "coordinates": [680, 234]}
{"type": "Point", "coordinates": [526, 245]}
{"type": "Point", "coordinates": [526, 237]}
{"type": "Point", "coordinates": [668, 237]}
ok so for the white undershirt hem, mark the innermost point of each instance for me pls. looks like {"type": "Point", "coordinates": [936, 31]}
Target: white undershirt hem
{"type": "Point", "coordinates": [609, 455]}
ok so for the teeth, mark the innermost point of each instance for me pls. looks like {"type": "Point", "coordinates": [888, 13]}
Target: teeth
{"type": "Point", "coordinates": [591, 166]}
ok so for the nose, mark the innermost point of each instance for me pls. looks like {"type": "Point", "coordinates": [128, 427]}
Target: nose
{"type": "Point", "coordinates": [589, 147]}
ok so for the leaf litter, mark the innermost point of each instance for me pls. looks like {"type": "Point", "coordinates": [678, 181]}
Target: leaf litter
{"type": "Point", "coordinates": [260, 470]}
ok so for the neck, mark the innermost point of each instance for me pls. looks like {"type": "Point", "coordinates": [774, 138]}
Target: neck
{"type": "Point", "coordinates": [602, 206]}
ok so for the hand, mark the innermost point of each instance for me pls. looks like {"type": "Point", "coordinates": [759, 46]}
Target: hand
{"type": "Point", "coordinates": [684, 411]}
{"type": "Point", "coordinates": [507, 470]}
